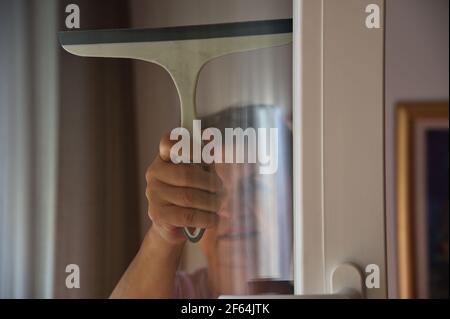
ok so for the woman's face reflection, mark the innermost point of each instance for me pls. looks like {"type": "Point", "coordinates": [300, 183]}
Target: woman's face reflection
{"type": "Point", "coordinates": [252, 241]}
{"type": "Point", "coordinates": [232, 247]}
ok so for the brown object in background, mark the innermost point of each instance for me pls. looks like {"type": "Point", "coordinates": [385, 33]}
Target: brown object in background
{"type": "Point", "coordinates": [270, 286]}
{"type": "Point", "coordinates": [408, 117]}
{"type": "Point", "coordinates": [97, 218]}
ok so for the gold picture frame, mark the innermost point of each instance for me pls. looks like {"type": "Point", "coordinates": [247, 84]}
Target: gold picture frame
{"type": "Point", "coordinates": [408, 117]}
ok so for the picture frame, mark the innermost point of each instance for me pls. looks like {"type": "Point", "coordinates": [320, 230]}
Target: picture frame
{"type": "Point", "coordinates": [422, 199]}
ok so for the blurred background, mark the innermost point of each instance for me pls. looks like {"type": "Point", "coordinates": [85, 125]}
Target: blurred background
{"type": "Point", "coordinates": [77, 134]}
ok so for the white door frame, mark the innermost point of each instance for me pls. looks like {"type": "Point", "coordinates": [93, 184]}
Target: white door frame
{"type": "Point", "coordinates": [339, 205]}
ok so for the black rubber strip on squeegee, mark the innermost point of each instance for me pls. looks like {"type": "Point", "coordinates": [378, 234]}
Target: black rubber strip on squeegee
{"type": "Point", "coordinates": [225, 30]}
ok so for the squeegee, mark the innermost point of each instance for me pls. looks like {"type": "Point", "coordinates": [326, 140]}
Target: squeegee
{"type": "Point", "coordinates": [182, 52]}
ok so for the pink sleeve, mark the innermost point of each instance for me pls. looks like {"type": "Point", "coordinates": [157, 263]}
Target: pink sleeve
{"type": "Point", "coordinates": [192, 286]}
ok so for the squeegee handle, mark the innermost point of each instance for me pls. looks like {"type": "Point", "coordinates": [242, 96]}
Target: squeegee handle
{"type": "Point", "coordinates": [188, 115]}
{"type": "Point", "coordinates": [193, 234]}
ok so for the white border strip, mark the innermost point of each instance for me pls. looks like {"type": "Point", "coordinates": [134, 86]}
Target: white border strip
{"type": "Point", "coordinates": [297, 151]}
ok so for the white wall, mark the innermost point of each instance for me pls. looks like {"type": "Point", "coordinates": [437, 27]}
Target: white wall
{"type": "Point", "coordinates": [417, 51]}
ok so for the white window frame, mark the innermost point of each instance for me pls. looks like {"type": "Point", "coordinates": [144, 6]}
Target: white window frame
{"type": "Point", "coordinates": [339, 200]}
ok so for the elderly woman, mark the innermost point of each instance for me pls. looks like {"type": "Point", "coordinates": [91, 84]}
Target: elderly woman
{"type": "Point", "coordinates": [241, 210]}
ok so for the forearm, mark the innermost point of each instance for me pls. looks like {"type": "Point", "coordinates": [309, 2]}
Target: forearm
{"type": "Point", "coordinates": [152, 272]}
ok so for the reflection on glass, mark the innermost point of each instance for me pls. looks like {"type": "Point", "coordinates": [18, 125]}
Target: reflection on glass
{"type": "Point", "coordinates": [78, 135]}
{"type": "Point", "coordinates": [251, 249]}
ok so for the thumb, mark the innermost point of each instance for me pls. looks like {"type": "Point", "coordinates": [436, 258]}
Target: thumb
{"type": "Point", "coordinates": [165, 145]}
